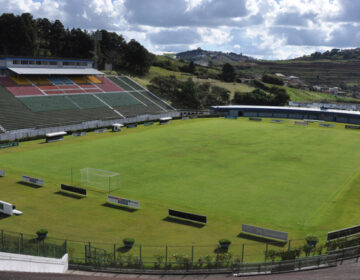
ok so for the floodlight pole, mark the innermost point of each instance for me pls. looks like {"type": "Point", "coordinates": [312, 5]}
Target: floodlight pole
{"type": "Point", "coordinates": [97, 36]}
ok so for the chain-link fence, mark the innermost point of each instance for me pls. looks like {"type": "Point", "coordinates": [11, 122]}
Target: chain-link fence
{"type": "Point", "coordinates": [19, 243]}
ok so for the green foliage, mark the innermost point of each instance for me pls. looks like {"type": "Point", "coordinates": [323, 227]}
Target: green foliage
{"type": "Point", "coordinates": [260, 85]}
{"type": "Point", "coordinates": [271, 79]}
{"type": "Point", "coordinates": [42, 232]}
{"type": "Point", "coordinates": [279, 96]}
{"type": "Point", "coordinates": [290, 254]}
{"type": "Point", "coordinates": [307, 249]}
{"type": "Point", "coordinates": [227, 73]}
{"type": "Point", "coordinates": [272, 254]}
{"type": "Point", "coordinates": [41, 37]}
{"type": "Point", "coordinates": [312, 240]}
{"type": "Point", "coordinates": [187, 94]}
{"type": "Point", "coordinates": [224, 241]}
{"type": "Point", "coordinates": [276, 97]}
{"type": "Point", "coordinates": [136, 58]}
{"type": "Point", "coordinates": [128, 242]}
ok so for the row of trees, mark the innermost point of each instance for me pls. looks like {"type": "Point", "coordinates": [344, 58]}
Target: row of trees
{"type": "Point", "coordinates": [25, 36]}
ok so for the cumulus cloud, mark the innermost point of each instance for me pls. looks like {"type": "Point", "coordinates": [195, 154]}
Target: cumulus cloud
{"type": "Point", "coordinates": [262, 28]}
{"type": "Point", "coordinates": [183, 36]}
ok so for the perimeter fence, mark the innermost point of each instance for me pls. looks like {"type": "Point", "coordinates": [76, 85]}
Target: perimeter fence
{"type": "Point", "coordinates": [248, 257]}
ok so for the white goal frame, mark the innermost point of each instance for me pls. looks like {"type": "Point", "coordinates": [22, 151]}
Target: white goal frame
{"type": "Point", "coordinates": [99, 179]}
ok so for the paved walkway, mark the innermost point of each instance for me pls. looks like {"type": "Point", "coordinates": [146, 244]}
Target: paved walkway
{"type": "Point", "coordinates": [348, 271]}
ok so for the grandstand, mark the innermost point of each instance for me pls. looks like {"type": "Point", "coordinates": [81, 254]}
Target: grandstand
{"type": "Point", "coordinates": [46, 93]}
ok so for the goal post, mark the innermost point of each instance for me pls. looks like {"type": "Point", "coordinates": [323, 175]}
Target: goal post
{"type": "Point", "coordinates": [102, 180]}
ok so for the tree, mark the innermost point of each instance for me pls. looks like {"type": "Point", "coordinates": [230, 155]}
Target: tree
{"type": "Point", "coordinates": [138, 59]}
{"type": "Point", "coordinates": [188, 96]}
{"type": "Point", "coordinates": [270, 79]}
{"type": "Point", "coordinates": [57, 39]}
{"type": "Point", "coordinates": [279, 96]}
{"type": "Point", "coordinates": [191, 67]}
{"type": "Point", "coordinates": [228, 73]}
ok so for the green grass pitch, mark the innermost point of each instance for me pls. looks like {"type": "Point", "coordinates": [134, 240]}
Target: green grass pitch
{"type": "Point", "coordinates": [285, 177]}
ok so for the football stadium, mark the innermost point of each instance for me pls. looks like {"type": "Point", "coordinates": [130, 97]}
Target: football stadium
{"type": "Point", "coordinates": [125, 180]}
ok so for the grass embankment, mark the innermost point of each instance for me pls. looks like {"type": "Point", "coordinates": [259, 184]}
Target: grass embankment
{"type": "Point", "coordinates": [296, 95]}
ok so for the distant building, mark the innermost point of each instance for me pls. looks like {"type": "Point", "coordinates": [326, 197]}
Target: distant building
{"type": "Point", "coordinates": [279, 75]}
{"type": "Point", "coordinates": [334, 90]}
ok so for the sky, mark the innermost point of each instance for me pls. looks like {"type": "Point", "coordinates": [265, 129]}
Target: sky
{"type": "Point", "coordinates": [268, 29]}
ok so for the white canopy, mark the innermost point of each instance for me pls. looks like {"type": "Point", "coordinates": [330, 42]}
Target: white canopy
{"type": "Point", "coordinates": [54, 71]}
{"type": "Point", "coordinates": [118, 125]}
{"type": "Point", "coordinates": [54, 134]}
{"type": "Point", "coordinates": [166, 119]}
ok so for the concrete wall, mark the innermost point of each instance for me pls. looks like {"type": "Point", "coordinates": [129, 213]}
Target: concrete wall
{"type": "Point", "coordinates": [25, 133]}
{"type": "Point", "coordinates": [16, 262]}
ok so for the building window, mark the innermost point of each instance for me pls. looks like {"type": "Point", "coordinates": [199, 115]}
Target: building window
{"type": "Point", "coordinates": [32, 62]}
{"type": "Point", "coordinates": [53, 62]}
{"type": "Point", "coordinates": [24, 62]}
{"type": "Point", "coordinates": [16, 61]}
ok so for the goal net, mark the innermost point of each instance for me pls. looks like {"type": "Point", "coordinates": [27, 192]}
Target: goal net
{"type": "Point", "coordinates": [102, 180]}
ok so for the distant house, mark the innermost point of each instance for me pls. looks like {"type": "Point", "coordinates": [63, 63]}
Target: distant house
{"type": "Point", "coordinates": [334, 90]}
{"type": "Point", "coordinates": [279, 75]}
{"type": "Point", "coordinates": [317, 88]}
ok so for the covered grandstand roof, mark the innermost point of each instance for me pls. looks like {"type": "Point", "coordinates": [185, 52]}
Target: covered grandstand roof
{"type": "Point", "coordinates": [54, 71]}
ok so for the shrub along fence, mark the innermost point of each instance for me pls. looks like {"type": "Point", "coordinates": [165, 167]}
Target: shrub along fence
{"type": "Point", "coordinates": [252, 257]}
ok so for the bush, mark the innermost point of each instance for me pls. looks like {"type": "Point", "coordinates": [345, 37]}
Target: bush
{"type": "Point", "coordinates": [224, 241]}
{"type": "Point", "coordinates": [42, 233]}
{"type": "Point", "coordinates": [260, 85]}
{"type": "Point", "coordinates": [270, 79]}
{"type": "Point", "coordinates": [312, 240]}
{"type": "Point", "coordinates": [128, 242]}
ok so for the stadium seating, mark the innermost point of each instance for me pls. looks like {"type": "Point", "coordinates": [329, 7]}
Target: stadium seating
{"type": "Point", "coordinates": [131, 83]}
{"type": "Point", "coordinates": [87, 101]}
{"type": "Point", "coordinates": [54, 91]}
{"type": "Point", "coordinates": [121, 83]}
{"type": "Point", "coordinates": [40, 81]}
{"type": "Point", "coordinates": [24, 90]}
{"type": "Point", "coordinates": [88, 86]}
{"type": "Point", "coordinates": [7, 82]}
{"type": "Point", "coordinates": [79, 80]}
{"type": "Point", "coordinates": [67, 86]}
{"type": "Point", "coordinates": [60, 81]}
{"type": "Point", "coordinates": [93, 90]}
{"type": "Point", "coordinates": [21, 81]}
{"type": "Point", "coordinates": [142, 94]}
{"type": "Point", "coordinates": [109, 86]}
{"type": "Point", "coordinates": [72, 91]}
{"type": "Point", "coordinates": [48, 103]}
{"type": "Point", "coordinates": [118, 99]}
{"type": "Point", "coordinates": [94, 80]}
{"type": "Point", "coordinates": [47, 87]}
{"type": "Point", "coordinates": [25, 106]}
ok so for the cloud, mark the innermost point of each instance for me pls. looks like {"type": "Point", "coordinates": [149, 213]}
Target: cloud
{"type": "Point", "coordinates": [262, 28]}
{"type": "Point", "coordinates": [294, 18]}
{"type": "Point", "coordinates": [175, 13]}
{"type": "Point", "coordinates": [183, 36]}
